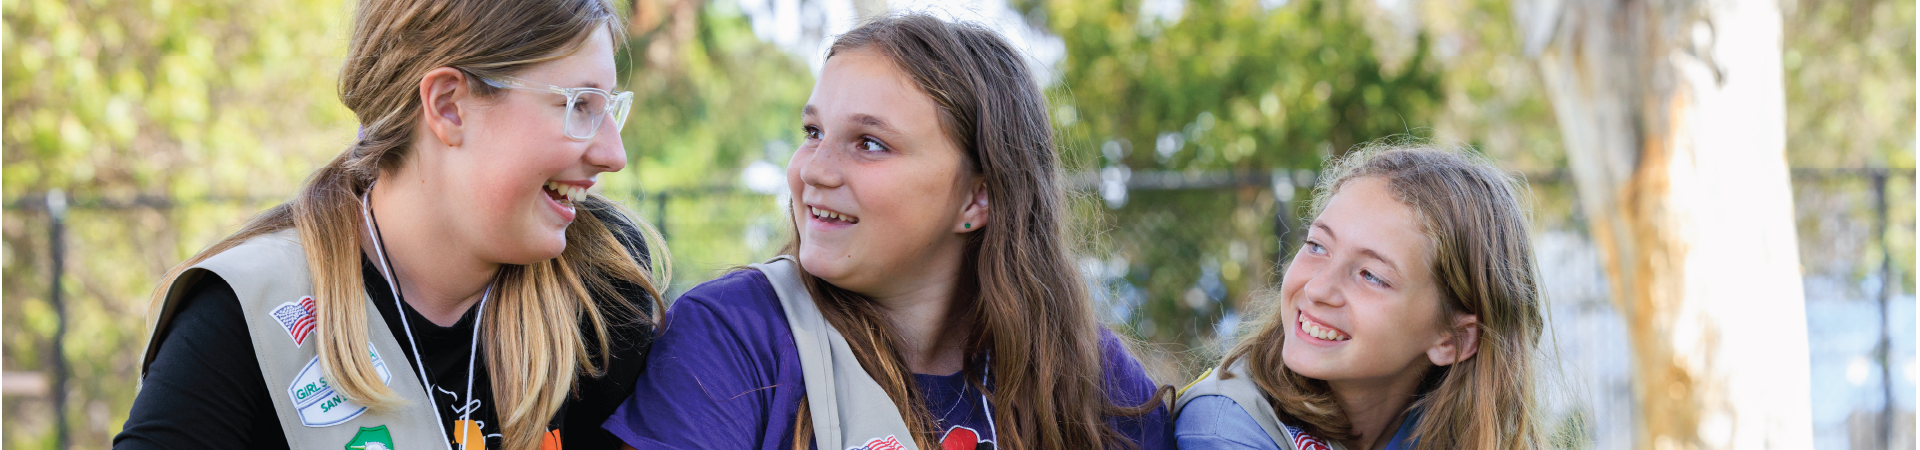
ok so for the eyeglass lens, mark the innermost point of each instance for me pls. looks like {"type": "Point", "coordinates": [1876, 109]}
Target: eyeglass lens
{"type": "Point", "coordinates": [589, 109]}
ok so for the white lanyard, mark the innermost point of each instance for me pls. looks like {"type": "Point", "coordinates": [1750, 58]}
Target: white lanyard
{"type": "Point", "coordinates": [986, 374]}
{"type": "Point", "coordinates": [386, 271]}
{"type": "Point", "coordinates": [986, 377]}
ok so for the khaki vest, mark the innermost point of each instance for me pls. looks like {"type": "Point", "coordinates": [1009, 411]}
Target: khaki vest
{"type": "Point", "coordinates": [849, 409]}
{"type": "Point", "coordinates": [1243, 392]}
{"type": "Point", "coordinates": [269, 275]}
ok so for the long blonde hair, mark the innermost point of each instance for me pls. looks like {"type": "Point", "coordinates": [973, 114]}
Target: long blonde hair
{"type": "Point", "coordinates": [537, 330]}
{"type": "Point", "coordinates": [1484, 265]}
{"type": "Point", "coordinates": [1023, 300]}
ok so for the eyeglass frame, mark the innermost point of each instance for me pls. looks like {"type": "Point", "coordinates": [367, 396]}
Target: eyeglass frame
{"type": "Point", "coordinates": [623, 100]}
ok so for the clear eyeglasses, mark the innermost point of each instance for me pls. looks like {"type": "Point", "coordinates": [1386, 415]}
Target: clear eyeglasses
{"type": "Point", "coordinates": [586, 106]}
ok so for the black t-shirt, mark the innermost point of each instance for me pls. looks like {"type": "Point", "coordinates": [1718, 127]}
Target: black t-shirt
{"type": "Point", "coordinates": [204, 389]}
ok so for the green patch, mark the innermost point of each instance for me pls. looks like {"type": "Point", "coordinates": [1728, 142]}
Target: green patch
{"type": "Point", "coordinates": [376, 438]}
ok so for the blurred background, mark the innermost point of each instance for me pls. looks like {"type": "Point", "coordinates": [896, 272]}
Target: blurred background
{"type": "Point", "coordinates": [1655, 136]}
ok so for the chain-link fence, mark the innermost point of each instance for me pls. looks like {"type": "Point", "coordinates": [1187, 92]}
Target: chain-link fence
{"type": "Point", "coordinates": [1179, 293]}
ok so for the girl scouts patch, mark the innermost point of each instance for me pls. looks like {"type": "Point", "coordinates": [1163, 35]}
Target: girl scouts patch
{"type": "Point", "coordinates": [319, 405]}
{"type": "Point", "coordinates": [885, 443]}
{"type": "Point", "coordinates": [296, 317]}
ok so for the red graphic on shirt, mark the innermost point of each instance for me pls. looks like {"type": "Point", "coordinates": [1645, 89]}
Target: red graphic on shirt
{"type": "Point", "coordinates": [1304, 441]}
{"type": "Point", "coordinates": [887, 443]}
{"type": "Point", "coordinates": [963, 438]}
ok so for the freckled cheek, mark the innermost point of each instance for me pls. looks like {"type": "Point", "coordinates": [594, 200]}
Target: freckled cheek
{"type": "Point", "coordinates": [915, 202]}
{"type": "Point", "coordinates": [1376, 321]}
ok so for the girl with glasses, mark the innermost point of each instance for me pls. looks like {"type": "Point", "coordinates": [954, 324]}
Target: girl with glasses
{"type": "Point", "coordinates": [928, 299]}
{"type": "Point", "coordinates": [447, 281]}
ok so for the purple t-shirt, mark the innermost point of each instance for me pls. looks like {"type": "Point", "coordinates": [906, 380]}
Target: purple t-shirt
{"type": "Point", "coordinates": [724, 374]}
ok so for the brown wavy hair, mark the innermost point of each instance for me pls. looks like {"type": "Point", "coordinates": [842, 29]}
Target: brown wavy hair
{"type": "Point", "coordinates": [1484, 264]}
{"type": "Point", "coordinates": [1024, 301]}
{"type": "Point", "coordinates": [537, 332]}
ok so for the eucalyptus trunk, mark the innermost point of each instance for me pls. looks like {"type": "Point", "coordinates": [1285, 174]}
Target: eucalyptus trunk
{"type": "Point", "coordinates": [1673, 116]}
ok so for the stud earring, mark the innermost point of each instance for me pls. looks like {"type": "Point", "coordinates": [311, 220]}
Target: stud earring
{"type": "Point", "coordinates": [969, 225]}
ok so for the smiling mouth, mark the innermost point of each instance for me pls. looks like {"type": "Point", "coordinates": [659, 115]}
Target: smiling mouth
{"type": "Point", "coordinates": [564, 194]}
{"type": "Point", "coordinates": [829, 216]}
{"type": "Point", "coordinates": [1323, 332]}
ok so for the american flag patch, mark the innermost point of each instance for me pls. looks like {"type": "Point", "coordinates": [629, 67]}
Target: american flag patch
{"type": "Point", "coordinates": [1304, 441]}
{"type": "Point", "coordinates": [886, 443]}
{"type": "Point", "coordinates": [297, 318]}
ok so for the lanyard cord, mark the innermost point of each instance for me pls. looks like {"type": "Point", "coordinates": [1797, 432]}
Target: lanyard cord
{"type": "Point", "coordinates": [986, 379]}
{"type": "Point", "coordinates": [386, 271]}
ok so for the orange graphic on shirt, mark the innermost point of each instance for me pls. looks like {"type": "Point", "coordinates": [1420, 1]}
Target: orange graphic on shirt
{"type": "Point", "coordinates": [467, 430]}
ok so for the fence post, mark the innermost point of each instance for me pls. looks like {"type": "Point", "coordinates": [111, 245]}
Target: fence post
{"type": "Point", "coordinates": [1283, 192]}
{"type": "Point", "coordinates": [57, 211]}
{"type": "Point", "coordinates": [1887, 284]}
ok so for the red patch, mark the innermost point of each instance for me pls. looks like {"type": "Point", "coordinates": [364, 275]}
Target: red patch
{"type": "Point", "coordinates": [963, 438]}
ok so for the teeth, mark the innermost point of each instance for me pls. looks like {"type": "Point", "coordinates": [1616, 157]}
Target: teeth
{"type": "Point", "coordinates": [1324, 333]}
{"type": "Point", "coordinates": [571, 192]}
{"type": "Point", "coordinates": [824, 214]}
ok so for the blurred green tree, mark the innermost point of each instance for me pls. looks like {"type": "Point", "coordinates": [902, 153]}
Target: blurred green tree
{"type": "Point", "coordinates": [208, 110]}
{"type": "Point", "coordinates": [710, 99]}
{"type": "Point", "coordinates": [1216, 85]}
{"type": "Point", "coordinates": [1850, 103]}
{"type": "Point", "coordinates": [709, 93]}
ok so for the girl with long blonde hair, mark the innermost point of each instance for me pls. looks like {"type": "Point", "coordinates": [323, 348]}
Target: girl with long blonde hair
{"type": "Point", "coordinates": [1409, 319]}
{"type": "Point", "coordinates": [448, 280]}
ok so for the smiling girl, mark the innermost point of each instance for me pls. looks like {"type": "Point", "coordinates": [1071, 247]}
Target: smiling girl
{"type": "Point", "coordinates": [1407, 320]}
{"type": "Point", "coordinates": [447, 279]}
{"type": "Point", "coordinates": [927, 301]}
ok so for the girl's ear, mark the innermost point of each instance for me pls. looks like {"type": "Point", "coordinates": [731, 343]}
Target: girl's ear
{"type": "Point", "coordinates": [975, 214]}
{"type": "Point", "coordinates": [1457, 344]}
{"type": "Point", "coordinates": [440, 92]}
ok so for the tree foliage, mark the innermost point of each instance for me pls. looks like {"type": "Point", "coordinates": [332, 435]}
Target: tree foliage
{"type": "Point", "coordinates": [221, 106]}
{"type": "Point", "coordinates": [710, 98]}
{"type": "Point", "coordinates": [1219, 85]}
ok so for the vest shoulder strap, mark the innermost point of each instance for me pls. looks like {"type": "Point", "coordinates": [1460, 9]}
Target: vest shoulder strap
{"type": "Point", "coordinates": [270, 278]}
{"type": "Point", "coordinates": [1240, 388]}
{"type": "Point", "coordinates": [849, 409]}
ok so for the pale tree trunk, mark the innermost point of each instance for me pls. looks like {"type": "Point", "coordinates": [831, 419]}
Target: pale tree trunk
{"type": "Point", "coordinates": [1673, 117]}
{"type": "Point", "coordinates": [867, 9]}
